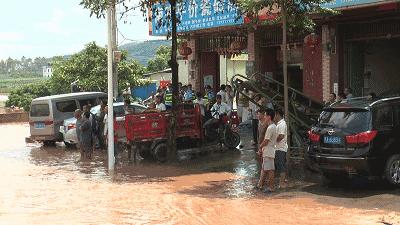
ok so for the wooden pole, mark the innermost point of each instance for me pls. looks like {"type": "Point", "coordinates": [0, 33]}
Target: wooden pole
{"type": "Point", "coordinates": [285, 73]}
{"type": "Point", "coordinates": [172, 150]}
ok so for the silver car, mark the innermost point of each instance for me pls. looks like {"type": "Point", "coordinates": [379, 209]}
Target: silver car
{"type": "Point", "coordinates": [69, 127]}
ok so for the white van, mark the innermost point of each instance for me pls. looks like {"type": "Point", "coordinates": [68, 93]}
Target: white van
{"type": "Point", "coordinates": [48, 113]}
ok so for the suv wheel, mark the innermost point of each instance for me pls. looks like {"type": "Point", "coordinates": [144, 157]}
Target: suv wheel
{"type": "Point", "coordinates": [334, 178]}
{"type": "Point", "coordinates": [392, 170]}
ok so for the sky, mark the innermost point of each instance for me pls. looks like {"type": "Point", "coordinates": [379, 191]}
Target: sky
{"type": "Point", "coordinates": [48, 28]}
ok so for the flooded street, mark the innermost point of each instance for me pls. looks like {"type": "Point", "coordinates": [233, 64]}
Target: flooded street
{"type": "Point", "coordinates": [52, 186]}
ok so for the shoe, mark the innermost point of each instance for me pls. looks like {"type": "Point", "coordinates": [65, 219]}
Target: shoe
{"type": "Point", "coordinates": [284, 185]}
{"type": "Point", "coordinates": [268, 191]}
{"type": "Point", "coordinates": [257, 188]}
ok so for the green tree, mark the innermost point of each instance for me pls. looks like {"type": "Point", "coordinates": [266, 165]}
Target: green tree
{"type": "Point", "coordinates": [89, 69]}
{"type": "Point", "coordinates": [160, 61]}
{"type": "Point", "coordinates": [22, 96]}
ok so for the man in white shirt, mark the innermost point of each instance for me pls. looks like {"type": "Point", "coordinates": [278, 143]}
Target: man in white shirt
{"type": "Point", "coordinates": [281, 147]}
{"type": "Point", "coordinates": [267, 150]}
{"type": "Point", "coordinates": [159, 105]}
{"type": "Point", "coordinates": [219, 108]}
{"type": "Point", "coordinates": [222, 93]}
{"type": "Point", "coordinates": [348, 92]}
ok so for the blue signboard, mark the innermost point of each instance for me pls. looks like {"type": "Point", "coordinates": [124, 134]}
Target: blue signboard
{"type": "Point", "coordinates": [195, 15]}
{"type": "Point", "coordinates": [346, 3]}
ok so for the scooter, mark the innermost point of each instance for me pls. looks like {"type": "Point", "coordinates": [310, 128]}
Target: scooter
{"type": "Point", "coordinates": [221, 130]}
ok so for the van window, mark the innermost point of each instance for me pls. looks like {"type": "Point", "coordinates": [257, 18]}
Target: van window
{"type": "Point", "coordinates": [66, 106]}
{"type": "Point", "coordinates": [92, 101]}
{"type": "Point", "coordinates": [38, 110]}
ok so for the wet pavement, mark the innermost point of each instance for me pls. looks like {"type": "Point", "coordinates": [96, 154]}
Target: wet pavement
{"type": "Point", "coordinates": [53, 186]}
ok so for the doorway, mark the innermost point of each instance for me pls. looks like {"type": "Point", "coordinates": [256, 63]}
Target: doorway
{"type": "Point", "coordinates": [209, 70]}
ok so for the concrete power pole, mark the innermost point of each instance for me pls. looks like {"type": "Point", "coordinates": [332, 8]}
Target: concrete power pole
{"type": "Point", "coordinates": [110, 88]}
{"type": "Point", "coordinates": [114, 47]}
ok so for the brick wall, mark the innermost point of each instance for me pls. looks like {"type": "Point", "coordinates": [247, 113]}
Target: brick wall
{"type": "Point", "coordinates": [194, 65]}
{"type": "Point", "coordinates": [15, 117]}
{"type": "Point", "coordinates": [254, 50]}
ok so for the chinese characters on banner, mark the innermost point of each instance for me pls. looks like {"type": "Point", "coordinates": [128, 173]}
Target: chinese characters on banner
{"type": "Point", "coordinates": [348, 3]}
{"type": "Point", "coordinates": [195, 15]}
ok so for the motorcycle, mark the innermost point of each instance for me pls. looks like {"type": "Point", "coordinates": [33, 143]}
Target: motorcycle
{"type": "Point", "coordinates": [221, 130]}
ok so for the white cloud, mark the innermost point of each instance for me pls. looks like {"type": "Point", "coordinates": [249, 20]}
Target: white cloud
{"type": "Point", "coordinates": [32, 51]}
{"type": "Point", "coordinates": [11, 36]}
{"type": "Point", "coordinates": [54, 25]}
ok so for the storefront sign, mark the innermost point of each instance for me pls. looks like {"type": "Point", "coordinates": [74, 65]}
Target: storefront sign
{"type": "Point", "coordinates": [347, 3]}
{"type": "Point", "coordinates": [195, 15]}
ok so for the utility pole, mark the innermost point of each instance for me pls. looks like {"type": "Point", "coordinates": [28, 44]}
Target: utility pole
{"type": "Point", "coordinates": [114, 47]}
{"type": "Point", "coordinates": [110, 88]}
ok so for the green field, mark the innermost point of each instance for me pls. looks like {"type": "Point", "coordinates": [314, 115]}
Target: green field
{"type": "Point", "coordinates": [7, 84]}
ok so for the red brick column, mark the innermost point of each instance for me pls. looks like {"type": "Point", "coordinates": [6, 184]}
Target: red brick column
{"type": "Point", "coordinates": [194, 64]}
{"type": "Point", "coordinates": [253, 49]}
{"type": "Point", "coordinates": [312, 71]}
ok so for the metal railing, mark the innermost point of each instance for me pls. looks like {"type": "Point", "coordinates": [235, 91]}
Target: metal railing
{"type": "Point", "coordinates": [303, 111]}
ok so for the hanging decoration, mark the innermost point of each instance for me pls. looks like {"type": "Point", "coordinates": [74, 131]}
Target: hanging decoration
{"type": "Point", "coordinates": [311, 40]}
{"type": "Point", "coordinates": [184, 50]}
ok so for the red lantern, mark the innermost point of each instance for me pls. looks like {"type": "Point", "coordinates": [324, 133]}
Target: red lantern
{"type": "Point", "coordinates": [311, 40]}
{"type": "Point", "coordinates": [184, 50]}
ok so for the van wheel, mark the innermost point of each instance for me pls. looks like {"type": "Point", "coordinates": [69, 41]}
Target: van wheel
{"type": "Point", "coordinates": [69, 145]}
{"type": "Point", "coordinates": [49, 143]}
{"type": "Point", "coordinates": [160, 152]}
{"type": "Point", "coordinates": [392, 170]}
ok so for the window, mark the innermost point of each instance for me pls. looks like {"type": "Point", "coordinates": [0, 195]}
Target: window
{"type": "Point", "coordinates": [348, 121]}
{"type": "Point", "coordinates": [40, 110]}
{"type": "Point", "coordinates": [384, 117]}
{"type": "Point", "coordinates": [119, 110]}
{"type": "Point", "coordinates": [137, 108]}
{"type": "Point", "coordinates": [397, 114]}
{"type": "Point", "coordinates": [91, 101]}
{"type": "Point", "coordinates": [66, 106]}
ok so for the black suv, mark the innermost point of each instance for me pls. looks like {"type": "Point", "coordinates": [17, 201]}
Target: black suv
{"type": "Point", "coordinates": [358, 136]}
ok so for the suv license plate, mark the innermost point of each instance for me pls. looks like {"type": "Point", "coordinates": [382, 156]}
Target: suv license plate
{"type": "Point", "coordinates": [39, 125]}
{"type": "Point", "coordinates": [332, 140]}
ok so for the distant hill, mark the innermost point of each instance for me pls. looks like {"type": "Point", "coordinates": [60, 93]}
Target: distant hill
{"type": "Point", "coordinates": [144, 51]}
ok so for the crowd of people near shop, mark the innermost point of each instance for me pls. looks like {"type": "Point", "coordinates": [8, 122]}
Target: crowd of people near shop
{"type": "Point", "coordinates": [162, 100]}
{"type": "Point", "coordinates": [268, 125]}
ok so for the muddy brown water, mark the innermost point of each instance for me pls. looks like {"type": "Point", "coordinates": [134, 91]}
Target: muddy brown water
{"type": "Point", "coordinates": [53, 186]}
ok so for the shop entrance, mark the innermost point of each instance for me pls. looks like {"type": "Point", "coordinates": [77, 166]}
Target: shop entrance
{"type": "Point", "coordinates": [210, 70]}
{"type": "Point", "coordinates": [371, 56]}
{"type": "Point", "coordinates": [373, 66]}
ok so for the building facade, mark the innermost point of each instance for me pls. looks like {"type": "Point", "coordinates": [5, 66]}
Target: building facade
{"type": "Point", "coordinates": [47, 71]}
{"type": "Point", "coordinates": [358, 49]}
